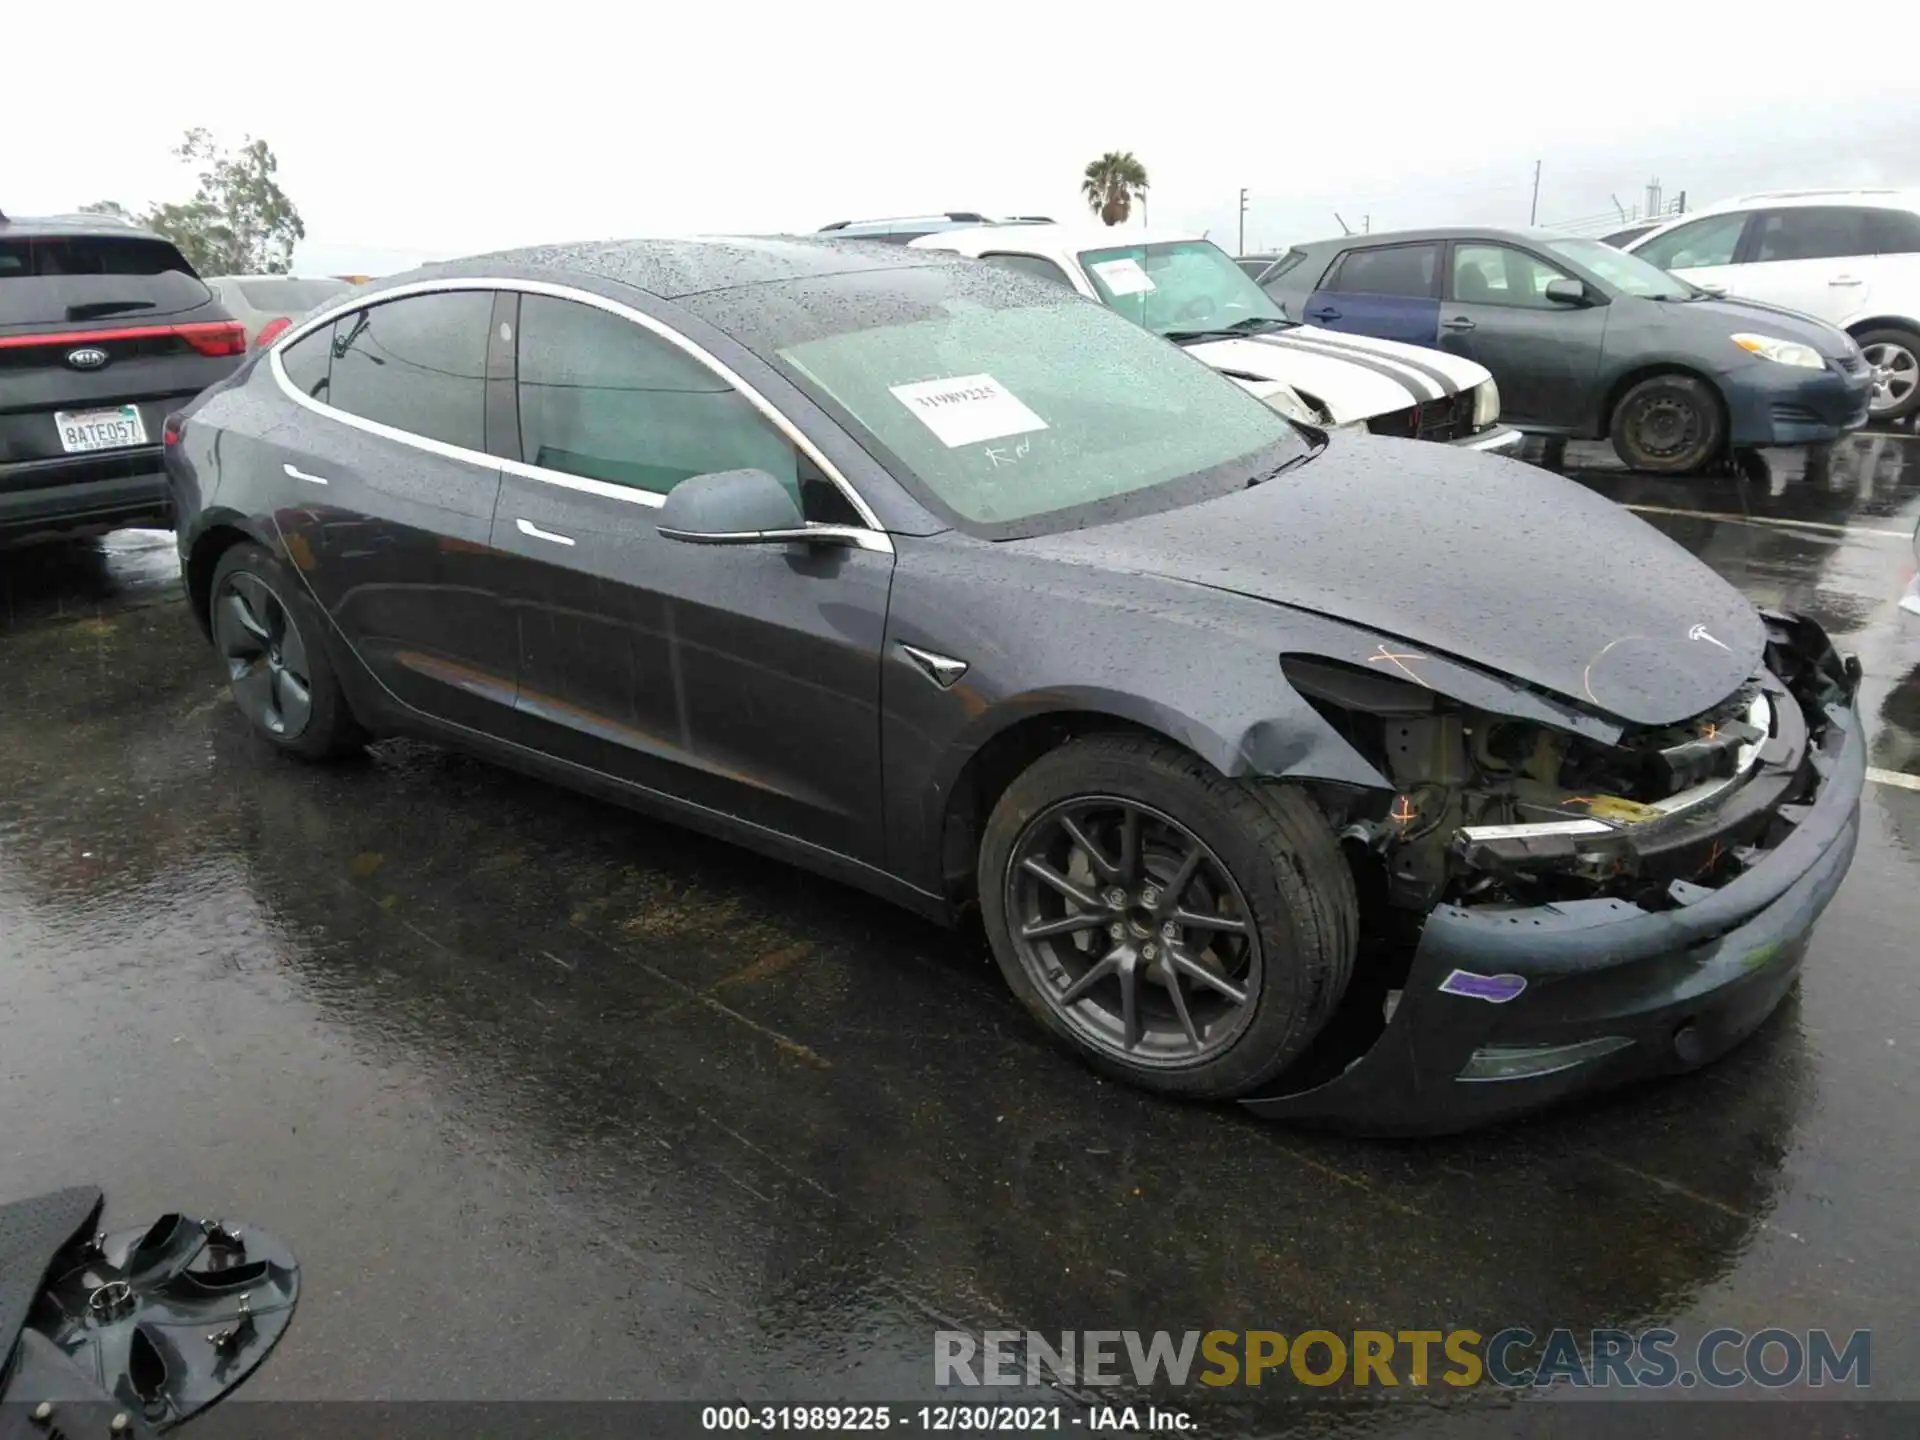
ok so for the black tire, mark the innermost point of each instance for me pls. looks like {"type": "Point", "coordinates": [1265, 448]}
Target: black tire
{"type": "Point", "coordinates": [1276, 856]}
{"type": "Point", "coordinates": [271, 637]}
{"type": "Point", "coordinates": [1668, 425]}
{"type": "Point", "coordinates": [1895, 356]}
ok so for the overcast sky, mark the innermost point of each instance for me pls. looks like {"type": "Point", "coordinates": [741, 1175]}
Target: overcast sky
{"type": "Point", "coordinates": [408, 132]}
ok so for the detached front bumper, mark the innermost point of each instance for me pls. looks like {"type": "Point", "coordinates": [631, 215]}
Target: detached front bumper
{"type": "Point", "coordinates": [1509, 1010]}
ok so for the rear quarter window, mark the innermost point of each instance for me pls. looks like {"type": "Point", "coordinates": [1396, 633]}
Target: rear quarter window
{"type": "Point", "coordinates": [69, 279]}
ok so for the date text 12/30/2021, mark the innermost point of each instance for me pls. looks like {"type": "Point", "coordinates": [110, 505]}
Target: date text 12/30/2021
{"type": "Point", "coordinates": [950, 1419]}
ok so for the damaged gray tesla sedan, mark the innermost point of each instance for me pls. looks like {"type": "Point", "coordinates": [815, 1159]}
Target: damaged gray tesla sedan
{"type": "Point", "coordinates": [1361, 780]}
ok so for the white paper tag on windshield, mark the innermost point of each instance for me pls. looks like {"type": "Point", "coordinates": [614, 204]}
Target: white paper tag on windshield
{"type": "Point", "coordinates": [1123, 276]}
{"type": "Point", "coordinates": [967, 409]}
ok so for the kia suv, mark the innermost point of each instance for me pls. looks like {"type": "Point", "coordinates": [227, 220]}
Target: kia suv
{"type": "Point", "coordinates": [1848, 257]}
{"type": "Point", "coordinates": [104, 329]}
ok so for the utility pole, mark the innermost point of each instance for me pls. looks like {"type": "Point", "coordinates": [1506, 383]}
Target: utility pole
{"type": "Point", "coordinates": [1533, 215]}
{"type": "Point", "coordinates": [1345, 229]}
{"type": "Point", "coordinates": [1653, 196]}
{"type": "Point", "coordinates": [1243, 221]}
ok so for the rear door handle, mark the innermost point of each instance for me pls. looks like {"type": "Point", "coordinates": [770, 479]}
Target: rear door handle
{"type": "Point", "coordinates": [1325, 312]}
{"type": "Point", "coordinates": [1844, 280]}
{"type": "Point", "coordinates": [1458, 322]}
{"type": "Point", "coordinates": [527, 527]}
{"type": "Point", "coordinates": [299, 474]}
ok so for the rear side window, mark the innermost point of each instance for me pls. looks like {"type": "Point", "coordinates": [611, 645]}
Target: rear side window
{"type": "Point", "coordinates": [1037, 266]}
{"type": "Point", "coordinates": [67, 278]}
{"type": "Point", "coordinates": [1710, 241]}
{"type": "Point", "coordinates": [1811, 232]}
{"type": "Point", "coordinates": [1411, 270]}
{"type": "Point", "coordinates": [1893, 232]}
{"type": "Point", "coordinates": [306, 362]}
{"type": "Point", "coordinates": [603, 398]}
{"type": "Point", "coordinates": [417, 364]}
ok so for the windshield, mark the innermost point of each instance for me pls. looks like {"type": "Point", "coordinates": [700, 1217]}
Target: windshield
{"type": "Point", "coordinates": [1177, 286]}
{"type": "Point", "coordinates": [1006, 414]}
{"type": "Point", "coordinates": [1628, 274]}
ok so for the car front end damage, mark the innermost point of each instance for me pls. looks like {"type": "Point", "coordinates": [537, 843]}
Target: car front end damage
{"type": "Point", "coordinates": [1550, 912]}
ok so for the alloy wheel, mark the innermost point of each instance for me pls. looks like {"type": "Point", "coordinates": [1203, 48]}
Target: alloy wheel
{"type": "Point", "coordinates": [1133, 931]}
{"type": "Point", "coordinates": [1895, 372]}
{"type": "Point", "coordinates": [265, 656]}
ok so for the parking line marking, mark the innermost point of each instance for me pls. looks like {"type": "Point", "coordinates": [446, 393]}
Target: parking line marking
{"type": "Point", "coordinates": [1894, 777]}
{"type": "Point", "coordinates": [1777, 520]}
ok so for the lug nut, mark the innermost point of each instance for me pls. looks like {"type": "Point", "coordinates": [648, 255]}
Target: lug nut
{"type": "Point", "coordinates": [1116, 898]}
{"type": "Point", "coordinates": [1169, 931]}
{"type": "Point", "coordinates": [1149, 897]}
{"type": "Point", "coordinates": [1147, 952]}
{"type": "Point", "coordinates": [43, 1412]}
{"type": "Point", "coordinates": [1117, 930]}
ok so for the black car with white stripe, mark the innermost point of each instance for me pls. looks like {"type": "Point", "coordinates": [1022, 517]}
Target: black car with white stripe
{"type": "Point", "coordinates": [104, 329]}
{"type": "Point", "coordinates": [1188, 289]}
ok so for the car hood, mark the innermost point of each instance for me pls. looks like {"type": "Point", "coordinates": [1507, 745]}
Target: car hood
{"type": "Point", "coordinates": [1351, 377]}
{"type": "Point", "coordinates": [1484, 559]}
{"type": "Point", "coordinates": [1721, 318]}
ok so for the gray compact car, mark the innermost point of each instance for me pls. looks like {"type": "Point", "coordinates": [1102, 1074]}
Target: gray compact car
{"type": "Point", "coordinates": [1588, 342]}
{"type": "Point", "coordinates": [1363, 779]}
{"type": "Point", "coordinates": [268, 304]}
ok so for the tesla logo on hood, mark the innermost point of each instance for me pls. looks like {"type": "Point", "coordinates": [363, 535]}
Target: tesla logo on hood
{"type": "Point", "coordinates": [1699, 632]}
{"type": "Point", "coordinates": [87, 357]}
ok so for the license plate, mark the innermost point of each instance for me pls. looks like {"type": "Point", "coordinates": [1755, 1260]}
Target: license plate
{"type": "Point", "coordinates": [82, 431]}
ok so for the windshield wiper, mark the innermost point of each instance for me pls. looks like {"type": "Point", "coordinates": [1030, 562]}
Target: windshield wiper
{"type": "Point", "coordinates": [94, 309]}
{"type": "Point", "coordinates": [1235, 331]}
{"type": "Point", "coordinates": [1285, 465]}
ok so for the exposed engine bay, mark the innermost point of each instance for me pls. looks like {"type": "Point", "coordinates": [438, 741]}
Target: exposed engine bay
{"type": "Point", "coordinates": [1488, 809]}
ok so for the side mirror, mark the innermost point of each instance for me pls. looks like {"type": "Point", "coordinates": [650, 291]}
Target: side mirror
{"type": "Point", "coordinates": [1566, 292]}
{"type": "Point", "coordinates": [735, 507]}
{"type": "Point", "coordinates": [1718, 292]}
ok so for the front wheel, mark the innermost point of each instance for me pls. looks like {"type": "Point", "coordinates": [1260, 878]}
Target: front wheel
{"type": "Point", "coordinates": [1177, 929]}
{"type": "Point", "coordinates": [1894, 357]}
{"type": "Point", "coordinates": [1668, 425]}
{"type": "Point", "coordinates": [267, 634]}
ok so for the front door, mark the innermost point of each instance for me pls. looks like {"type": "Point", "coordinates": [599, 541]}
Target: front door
{"type": "Point", "coordinates": [1544, 355]}
{"type": "Point", "coordinates": [393, 493]}
{"type": "Point", "coordinates": [1817, 259]}
{"type": "Point", "coordinates": [743, 679]}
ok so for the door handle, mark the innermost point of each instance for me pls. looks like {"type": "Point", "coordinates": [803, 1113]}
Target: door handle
{"type": "Point", "coordinates": [527, 527]}
{"type": "Point", "coordinates": [1844, 280]}
{"type": "Point", "coordinates": [1325, 312]}
{"type": "Point", "coordinates": [1458, 322]}
{"type": "Point", "coordinates": [299, 474]}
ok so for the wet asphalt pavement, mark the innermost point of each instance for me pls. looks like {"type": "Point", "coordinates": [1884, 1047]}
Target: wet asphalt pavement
{"type": "Point", "coordinates": [556, 1102]}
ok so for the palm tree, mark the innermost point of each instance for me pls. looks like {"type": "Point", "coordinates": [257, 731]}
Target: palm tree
{"type": "Point", "coordinates": [1112, 184]}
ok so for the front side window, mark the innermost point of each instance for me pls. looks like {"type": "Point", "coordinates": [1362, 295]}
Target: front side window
{"type": "Point", "coordinates": [1812, 232]}
{"type": "Point", "coordinates": [1629, 274]}
{"type": "Point", "coordinates": [604, 398]}
{"type": "Point", "coordinates": [1037, 266]}
{"type": "Point", "coordinates": [1502, 275]}
{"type": "Point", "coordinates": [1408, 270]}
{"type": "Point", "coordinates": [418, 364]}
{"type": "Point", "coordinates": [1710, 241]}
{"type": "Point", "coordinates": [1005, 414]}
{"type": "Point", "coordinates": [1178, 285]}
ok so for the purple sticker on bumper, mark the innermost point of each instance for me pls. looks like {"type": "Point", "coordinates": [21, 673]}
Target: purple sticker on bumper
{"type": "Point", "coordinates": [1496, 989]}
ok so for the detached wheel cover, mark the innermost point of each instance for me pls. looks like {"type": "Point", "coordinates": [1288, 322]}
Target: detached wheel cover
{"type": "Point", "coordinates": [1133, 931]}
{"type": "Point", "coordinates": [265, 655]}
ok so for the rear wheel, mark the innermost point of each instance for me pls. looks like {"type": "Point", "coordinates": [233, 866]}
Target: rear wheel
{"type": "Point", "coordinates": [1179, 930]}
{"type": "Point", "coordinates": [1893, 355]}
{"type": "Point", "coordinates": [267, 634]}
{"type": "Point", "coordinates": [1668, 425]}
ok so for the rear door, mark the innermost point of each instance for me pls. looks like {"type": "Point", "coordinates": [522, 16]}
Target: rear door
{"type": "Point", "coordinates": [1817, 259]}
{"type": "Point", "coordinates": [388, 456]}
{"type": "Point", "coordinates": [742, 679]}
{"type": "Point", "coordinates": [1391, 291]}
{"type": "Point", "coordinates": [1544, 356]}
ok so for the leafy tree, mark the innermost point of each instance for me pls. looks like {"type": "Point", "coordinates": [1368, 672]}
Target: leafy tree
{"type": "Point", "coordinates": [1112, 183]}
{"type": "Point", "coordinates": [239, 221]}
{"type": "Point", "coordinates": [107, 207]}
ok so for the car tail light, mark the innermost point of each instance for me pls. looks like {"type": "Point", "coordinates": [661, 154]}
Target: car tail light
{"type": "Point", "coordinates": [170, 431]}
{"type": "Point", "coordinates": [270, 332]}
{"type": "Point", "coordinates": [215, 337]}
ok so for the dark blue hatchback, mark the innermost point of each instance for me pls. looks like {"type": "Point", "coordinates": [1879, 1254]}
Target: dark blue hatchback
{"type": "Point", "coordinates": [1586, 341]}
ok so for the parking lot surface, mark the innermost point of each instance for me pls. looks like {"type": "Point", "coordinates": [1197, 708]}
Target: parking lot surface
{"type": "Point", "coordinates": [553, 1101]}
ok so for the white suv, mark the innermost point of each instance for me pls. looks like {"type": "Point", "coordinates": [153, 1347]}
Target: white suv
{"type": "Point", "coordinates": [1850, 257]}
